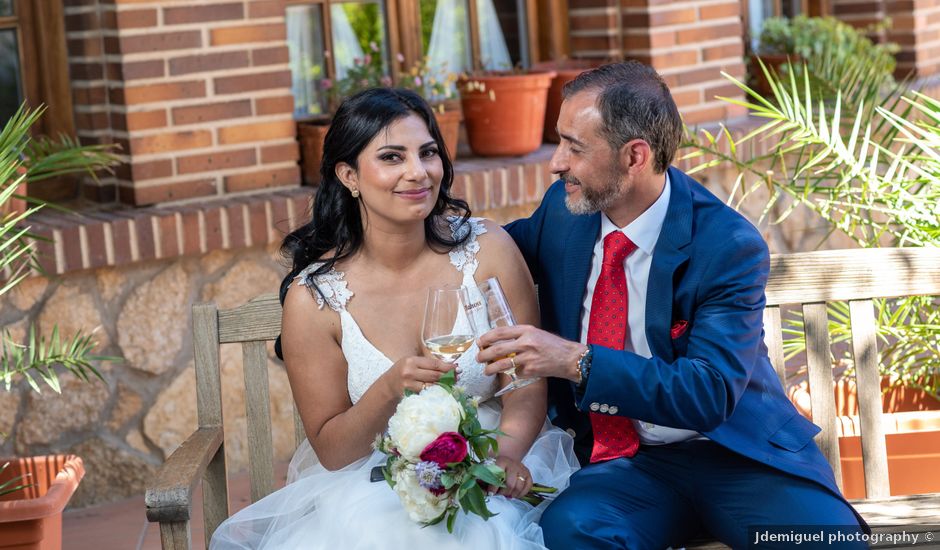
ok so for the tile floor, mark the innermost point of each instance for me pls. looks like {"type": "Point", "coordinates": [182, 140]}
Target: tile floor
{"type": "Point", "coordinates": [123, 525]}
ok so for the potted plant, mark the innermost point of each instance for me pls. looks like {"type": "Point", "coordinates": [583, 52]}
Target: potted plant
{"type": "Point", "coordinates": [865, 161]}
{"type": "Point", "coordinates": [35, 490]}
{"type": "Point", "coordinates": [434, 84]}
{"type": "Point", "coordinates": [566, 70]}
{"type": "Point", "coordinates": [505, 110]}
{"type": "Point", "coordinates": [825, 44]}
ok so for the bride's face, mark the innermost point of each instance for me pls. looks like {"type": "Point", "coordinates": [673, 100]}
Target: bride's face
{"type": "Point", "coordinates": [400, 172]}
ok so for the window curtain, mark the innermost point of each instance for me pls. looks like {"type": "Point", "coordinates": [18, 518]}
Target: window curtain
{"type": "Point", "coordinates": [346, 46]}
{"type": "Point", "coordinates": [449, 48]}
{"type": "Point", "coordinates": [305, 47]}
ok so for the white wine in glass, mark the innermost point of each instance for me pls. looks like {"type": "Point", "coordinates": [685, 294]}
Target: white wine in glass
{"type": "Point", "coordinates": [490, 310]}
{"type": "Point", "coordinates": [441, 330]}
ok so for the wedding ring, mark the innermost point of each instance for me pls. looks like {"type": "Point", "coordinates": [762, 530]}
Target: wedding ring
{"type": "Point", "coordinates": [521, 478]}
{"type": "Point", "coordinates": [512, 360]}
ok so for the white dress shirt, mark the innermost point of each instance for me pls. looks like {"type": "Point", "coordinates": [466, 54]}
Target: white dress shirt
{"type": "Point", "coordinates": [644, 232]}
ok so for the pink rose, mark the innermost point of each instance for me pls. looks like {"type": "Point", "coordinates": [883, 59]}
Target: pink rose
{"type": "Point", "coordinates": [449, 447]}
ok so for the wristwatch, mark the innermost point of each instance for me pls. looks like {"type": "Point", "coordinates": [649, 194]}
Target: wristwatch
{"type": "Point", "coordinates": [584, 368]}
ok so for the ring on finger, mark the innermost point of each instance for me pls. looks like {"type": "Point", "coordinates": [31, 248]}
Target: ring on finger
{"type": "Point", "coordinates": [512, 360]}
{"type": "Point", "coordinates": [522, 478]}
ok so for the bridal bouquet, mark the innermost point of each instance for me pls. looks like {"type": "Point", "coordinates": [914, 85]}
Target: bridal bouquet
{"type": "Point", "coordinates": [438, 456]}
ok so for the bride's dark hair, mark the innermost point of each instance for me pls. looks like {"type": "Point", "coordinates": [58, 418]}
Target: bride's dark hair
{"type": "Point", "coordinates": [336, 222]}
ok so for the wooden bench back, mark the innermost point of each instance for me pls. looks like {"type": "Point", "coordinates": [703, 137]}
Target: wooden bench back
{"type": "Point", "coordinates": [252, 325]}
{"type": "Point", "coordinates": [813, 279]}
{"type": "Point", "coordinates": [809, 280]}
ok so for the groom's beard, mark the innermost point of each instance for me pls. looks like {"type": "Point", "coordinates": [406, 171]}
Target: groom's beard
{"type": "Point", "coordinates": [593, 200]}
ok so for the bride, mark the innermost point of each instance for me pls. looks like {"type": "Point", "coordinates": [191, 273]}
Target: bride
{"type": "Point", "coordinates": [384, 230]}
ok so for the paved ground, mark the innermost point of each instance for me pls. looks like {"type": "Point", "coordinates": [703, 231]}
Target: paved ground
{"type": "Point", "coordinates": [123, 525]}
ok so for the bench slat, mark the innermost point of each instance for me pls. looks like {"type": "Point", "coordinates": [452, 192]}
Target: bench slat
{"type": "Point", "coordinates": [209, 408]}
{"type": "Point", "coordinates": [836, 275]}
{"type": "Point", "coordinates": [816, 329]}
{"type": "Point", "coordinates": [868, 382]}
{"type": "Point", "coordinates": [299, 433]}
{"type": "Point", "coordinates": [257, 401]}
{"type": "Point", "coordinates": [259, 319]}
{"type": "Point", "coordinates": [773, 339]}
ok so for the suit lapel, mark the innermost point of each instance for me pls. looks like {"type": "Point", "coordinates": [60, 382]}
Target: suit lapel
{"type": "Point", "coordinates": [667, 257]}
{"type": "Point", "coordinates": [579, 246]}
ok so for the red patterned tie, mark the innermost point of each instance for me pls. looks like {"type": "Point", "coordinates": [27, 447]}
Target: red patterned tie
{"type": "Point", "coordinates": [614, 436]}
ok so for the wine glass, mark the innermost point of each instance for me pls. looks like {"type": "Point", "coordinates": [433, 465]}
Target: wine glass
{"type": "Point", "coordinates": [488, 310]}
{"type": "Point", "coordinates": [444, 336]}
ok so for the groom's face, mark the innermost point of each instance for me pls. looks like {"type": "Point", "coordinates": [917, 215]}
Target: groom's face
{"type": "Point", "coordinates": [584, 159]}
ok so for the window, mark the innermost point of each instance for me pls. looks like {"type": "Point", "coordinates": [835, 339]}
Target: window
{"type": "Point", "coordinates": [11, 80]}
{"type": "Point", "coordinates": [33, 62]}
{"type": "Point", "coordinates": [326, 37]}
{"type": "Point", "coordinates": [756, 11]}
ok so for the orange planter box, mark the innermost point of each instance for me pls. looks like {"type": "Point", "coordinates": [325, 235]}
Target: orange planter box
{"type": "Point", "coordinates": [31, 518]}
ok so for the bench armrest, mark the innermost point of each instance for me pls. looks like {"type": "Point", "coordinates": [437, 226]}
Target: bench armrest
{"type": "Point", "coordinates": [170, 498]}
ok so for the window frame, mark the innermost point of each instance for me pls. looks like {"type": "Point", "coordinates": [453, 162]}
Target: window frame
{"type": "Point", "coordinates": [403, 26]}
{"type": "Point", "coordinates": [43, 62]}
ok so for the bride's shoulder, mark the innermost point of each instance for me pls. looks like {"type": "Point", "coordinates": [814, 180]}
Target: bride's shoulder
{"type": "Point", "coordinates": [495, 242]}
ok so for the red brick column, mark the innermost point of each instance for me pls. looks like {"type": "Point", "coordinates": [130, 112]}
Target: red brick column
{"type": "Point", "coordinates": [915, 27]}
{"type": "Point", "coordinates": [198, 95]}
{"type": "Point", "coordinates": [688, 42]}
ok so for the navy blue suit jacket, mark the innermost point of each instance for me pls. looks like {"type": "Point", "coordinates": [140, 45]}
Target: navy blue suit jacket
{"type": "Point", "coordinates": [709, 268]}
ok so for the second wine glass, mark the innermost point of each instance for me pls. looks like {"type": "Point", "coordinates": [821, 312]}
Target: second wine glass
{"type": "Point", "coordinates": [488, 310]}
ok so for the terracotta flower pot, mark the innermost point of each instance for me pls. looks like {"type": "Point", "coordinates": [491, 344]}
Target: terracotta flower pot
{"type": "Point", "coordinates": [911, 420]}
{"type": "Point", "coordinates": [774, 62]}
{"type": "Point", "coordinates": [566, 71]}
{"type": "Point", "coordinates": [505, 113]}
{"type": "Point", "coordinates": [311, 135]}
{"type": "Point", "coordinates": [449, 123]}
{"type": "Point", "coordinates": [31, 518]}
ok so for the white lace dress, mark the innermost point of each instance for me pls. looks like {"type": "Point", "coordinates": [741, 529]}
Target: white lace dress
{"type": "Point", "coordinates": [319, 509]}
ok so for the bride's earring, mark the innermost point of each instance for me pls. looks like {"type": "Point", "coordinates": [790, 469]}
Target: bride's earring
{"type": "Point", "coordinates": [354, 192]}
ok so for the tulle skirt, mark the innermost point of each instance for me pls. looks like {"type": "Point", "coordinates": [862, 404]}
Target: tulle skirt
{"type": "Point", "coordinates": [319, 509]}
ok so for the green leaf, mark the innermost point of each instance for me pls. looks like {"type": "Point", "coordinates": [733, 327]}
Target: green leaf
{"type": "Point", "coordinates": [491, 475]}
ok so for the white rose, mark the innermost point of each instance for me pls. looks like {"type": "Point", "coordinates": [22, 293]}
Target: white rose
{"type": "Point", "coordinates": [420, 418]}
{"type": "Point", "coordinates": [422, 505]}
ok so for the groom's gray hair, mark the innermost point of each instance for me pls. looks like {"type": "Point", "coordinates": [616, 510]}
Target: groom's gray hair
{"type": "Point", "coordinates": [635, 103]}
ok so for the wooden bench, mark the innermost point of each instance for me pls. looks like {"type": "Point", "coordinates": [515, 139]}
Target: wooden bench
{"type": "Point", "coordinates": [808, 280]}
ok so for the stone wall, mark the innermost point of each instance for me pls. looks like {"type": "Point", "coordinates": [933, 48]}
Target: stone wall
{"type": "Point", "coordinates": [124, 426]}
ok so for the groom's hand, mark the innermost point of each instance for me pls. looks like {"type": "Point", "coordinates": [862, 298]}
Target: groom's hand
{"type": "Point", "coordinates": [537, 353]}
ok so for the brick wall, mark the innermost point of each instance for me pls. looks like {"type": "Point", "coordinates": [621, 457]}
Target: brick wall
{"type": "Point", "coordinates": [689, 42]}
{"type": "Point", "coordinates": [500, 189]}
{"type": "Point", "coordinates": [915, 27]}
{"type": "Point", "coordinates": [198, 96]}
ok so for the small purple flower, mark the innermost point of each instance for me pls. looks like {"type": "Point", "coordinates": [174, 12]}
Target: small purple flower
{"type": "Point", "coordinates": [386, 81]}
{"type": "Point", "coordinates": [429, 475]}
{"type": "Point", "coordinates": [400, 57]}
{"type": "Point", "coordinates": [373, 46]}
{"type": "Point", "coordinates": [367, 60]}
{"type": "Point", "coordinates": [417, 81]}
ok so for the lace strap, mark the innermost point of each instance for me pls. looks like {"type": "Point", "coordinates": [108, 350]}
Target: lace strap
{"type": "Point", "coordinates": [464, 257]}
{"type": "Point", "coordinates": [330, 285]}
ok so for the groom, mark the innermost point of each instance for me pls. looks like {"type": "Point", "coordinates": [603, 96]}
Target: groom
{"type": "Point", "coordinates": [651, 292]}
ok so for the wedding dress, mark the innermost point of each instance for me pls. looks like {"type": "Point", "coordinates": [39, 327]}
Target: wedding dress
{"type": "Point", "coordinates": [319, 509]}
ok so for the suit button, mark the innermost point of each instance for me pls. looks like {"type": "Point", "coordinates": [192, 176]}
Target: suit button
{"type": "Point", "coordinates": [613, 409]}
{"type": "Point", "coordinates": [571, 432]}
{"type": "Point", "coordinates": [604, 408]}
{"type": "Point", "coordinates": [595, 406]}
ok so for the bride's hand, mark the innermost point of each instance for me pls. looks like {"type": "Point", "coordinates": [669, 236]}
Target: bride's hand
{"type": "Point", "coordinates": [518, 477]}
{"type": "Point", "coordinates": [414, 373]}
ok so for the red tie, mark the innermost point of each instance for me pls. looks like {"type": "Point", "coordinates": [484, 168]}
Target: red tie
{"type": "Point", "coordinates": [614, 436]}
